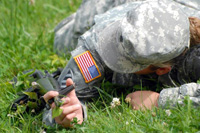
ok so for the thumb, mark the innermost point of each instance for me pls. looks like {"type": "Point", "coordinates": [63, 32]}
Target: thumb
{"type": "Point", "coordinates": [69, 82]}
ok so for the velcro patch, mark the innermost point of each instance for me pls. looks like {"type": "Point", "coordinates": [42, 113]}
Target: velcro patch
{"type": "Point", "coordinates": [87, 66]}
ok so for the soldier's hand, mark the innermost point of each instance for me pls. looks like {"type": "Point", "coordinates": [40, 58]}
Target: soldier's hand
{"type": "Point", "coordinates": [71, 107]}
{"type": "Point", "coordinates": [142, 99]}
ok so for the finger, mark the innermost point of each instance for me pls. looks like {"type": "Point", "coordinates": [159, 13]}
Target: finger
{"type": "Point", "coordinates": [53, 105]}
{"type": "Point", "coordinates": [68, 119]}
{"type": "Point", "coordinates": [69, 116]}
{"type": "Point", "coordinates": [65, 100]}
{"type": "Point", "coordinates": [66, 123]}
{"type": "Point", "coordinates": [68, 83]}
{"type": "Point", "coordinates": [72, 94]}
{"type": "Point", "coordinates": [50, 95]}
{"type": "Point", "coordinates": [68, 110]}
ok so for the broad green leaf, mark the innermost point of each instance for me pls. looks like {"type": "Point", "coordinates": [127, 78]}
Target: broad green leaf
{"type": "Point", "coordinates": [54, 61]}
{"type": "Point", "coordinates": [19, 83]}
{"type": "Point", "coordinates": [56, 112]}
{"type": "Point", "coordinates": [31, 95]}
{"type": "Point", "coordinates": [57, 60]}
{"type": "Point", "coordinates": [25, 75]}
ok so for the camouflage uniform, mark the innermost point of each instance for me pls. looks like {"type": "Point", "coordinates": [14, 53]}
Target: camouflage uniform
{"type": "Point", "coordinates": [112, 45]}
{"type": "Point", "coordinates": [68, 31]}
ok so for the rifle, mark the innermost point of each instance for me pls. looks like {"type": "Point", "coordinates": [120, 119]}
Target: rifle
{"type": "Point", "coordinates": [41, 85]}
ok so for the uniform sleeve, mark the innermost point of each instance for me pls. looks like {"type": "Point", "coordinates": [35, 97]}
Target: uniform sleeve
{"type": "Point", "coordinates": [84, 90]}
{"type": "Point", "coordinates": [171, 96]}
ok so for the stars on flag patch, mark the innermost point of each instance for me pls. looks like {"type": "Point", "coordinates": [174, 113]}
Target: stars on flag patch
{"type": "Point", "coordinates": [87, 66]}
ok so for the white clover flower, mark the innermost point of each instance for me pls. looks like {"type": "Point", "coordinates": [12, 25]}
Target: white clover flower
{"type": "Point", "coordinates": [33, 111]}
{"type": "Point", "coordinates": [115, 102]}
{"type": "Point", "coordinates": [132, 121]}
{"type": "Point", "coordinates": [128, 100]}
{"type": "Point", "coordinates": [9, 115]}
{"type": "Point", "coordinates": [127, 123]}
{"type": "Point", "coordinates": [120, 114]}
{"type": "Point", "coordinates": [112, 105]}
{"type": "Point", "coordinates": [115, 99]}
{"type": "Point", "coordinates": [168, 112]}
{"type": "Point", "coordinates": [34, 85]}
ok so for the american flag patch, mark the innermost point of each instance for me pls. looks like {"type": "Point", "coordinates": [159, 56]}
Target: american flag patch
{"type": "Point", "coordinates": [87, 66]}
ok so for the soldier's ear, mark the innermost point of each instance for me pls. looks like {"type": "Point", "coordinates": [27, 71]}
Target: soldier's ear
{"type": "Point", "coordinates": [163, 70]}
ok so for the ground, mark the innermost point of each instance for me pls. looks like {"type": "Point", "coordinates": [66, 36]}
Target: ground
{"type": "Point", "coordinates": [26, 42]}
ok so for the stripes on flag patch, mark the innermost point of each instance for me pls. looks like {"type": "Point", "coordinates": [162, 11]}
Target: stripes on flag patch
{"type": "Point", "coordinates": [87, 66]}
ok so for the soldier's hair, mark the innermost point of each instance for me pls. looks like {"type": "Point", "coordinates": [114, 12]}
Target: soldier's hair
{"type": "Point", "coordinates": [194, 31]}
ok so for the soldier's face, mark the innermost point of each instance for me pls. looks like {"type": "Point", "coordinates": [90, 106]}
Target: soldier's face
{"type": "Point", "coordinates": [153, 69]}
{"type": "Point", "coordinates": [150, 69]}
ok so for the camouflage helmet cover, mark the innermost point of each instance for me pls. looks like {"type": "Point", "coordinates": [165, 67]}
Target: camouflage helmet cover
{"type": "Point", "coordinates": [151, 33]}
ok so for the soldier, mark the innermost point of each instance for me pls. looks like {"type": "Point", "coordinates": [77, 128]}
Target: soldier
{"type": "Point", "coordinates": [132, 40]}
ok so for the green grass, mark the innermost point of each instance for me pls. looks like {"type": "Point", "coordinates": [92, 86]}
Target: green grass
{"type": "Point", "coordinates": [26, 42]}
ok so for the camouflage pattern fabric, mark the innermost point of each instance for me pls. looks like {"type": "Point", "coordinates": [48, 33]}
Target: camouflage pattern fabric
{"type": "Point", "coordinates": [171, 96]}
{"type": "Point", "coordinates": [47, 118]}
{"type": "Point", "coordinates": [147, 33]}
{"type": "Point", "coordinates": [71, 28]}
